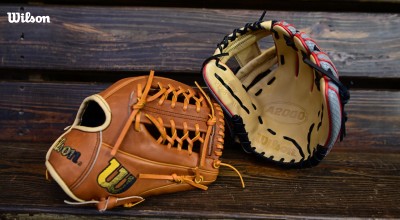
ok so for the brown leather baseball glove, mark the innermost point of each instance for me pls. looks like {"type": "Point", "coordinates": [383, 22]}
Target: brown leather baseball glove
{"type": "Point", "coordinates": [142, 136]}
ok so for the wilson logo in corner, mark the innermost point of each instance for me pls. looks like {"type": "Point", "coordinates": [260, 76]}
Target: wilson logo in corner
{"type": "Point", "coordinates": [67, 151]}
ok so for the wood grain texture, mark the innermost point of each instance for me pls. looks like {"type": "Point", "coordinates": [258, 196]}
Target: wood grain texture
{"type": "Point", "coordinates": [345, 184]}
{"type": "Point", "coordinates": [39, 111]}
{"type": "Point", "coordinates": [296, 5]}
{"type": "Point", "coordinates": [178, 40]}
{"type": "Point", "coordinates": [359, 178]}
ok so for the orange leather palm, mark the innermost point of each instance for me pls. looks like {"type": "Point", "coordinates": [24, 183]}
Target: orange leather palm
{"type": "Point", "coordinates": [142, 136]}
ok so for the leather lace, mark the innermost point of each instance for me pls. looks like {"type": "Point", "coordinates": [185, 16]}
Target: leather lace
{"type": "Point", "coordinates": [191, 180]}
{"type": "Point", "coordinates": [163, 94]}
{"type": "Point", "coordinates": [194, 180]}
{"type": "Point", "coordinates": [169, 140]}
{"type": "Point", "coordinates": [134, 114]}
{"type": "Point", "coordinates": [107, 203]}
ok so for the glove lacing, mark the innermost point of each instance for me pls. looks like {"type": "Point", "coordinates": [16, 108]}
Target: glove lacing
{"type": "Point", "coordinates": [343, 90]}
{"type": "Point", "coordinates": [197, 178]}
{"type": "Point", "coordinates": [163, 94]}
{"type": "Point", "coordinates": [194, 180]}
{"type": "Point", "coordinates": [136, 108]}
{"type": "Point", "coordinates": [231, 37]}
{"type": "Point", "coordinates": [135, 116]}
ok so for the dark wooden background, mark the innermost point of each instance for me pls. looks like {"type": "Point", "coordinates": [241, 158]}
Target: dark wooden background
{"type": "Point", "coordinates": [46, 70]}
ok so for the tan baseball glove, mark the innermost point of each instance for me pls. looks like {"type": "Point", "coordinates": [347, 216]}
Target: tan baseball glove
{"type": "Point", "coordinates": [284, 103]}
{"type": "Point", "coordinates": [142, 136]}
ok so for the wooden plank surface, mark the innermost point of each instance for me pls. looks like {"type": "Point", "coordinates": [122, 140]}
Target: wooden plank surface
{"type": "Point", "coordinates": [296, 5]}
{"type": "Point", "coordinates": [177, 40]}
{"type": "Point", "coordinates": [346, 184]}
{"type": "Point", "coordinates": [39, 111]}
{"type": "Point", "coordinates": [359, 178]}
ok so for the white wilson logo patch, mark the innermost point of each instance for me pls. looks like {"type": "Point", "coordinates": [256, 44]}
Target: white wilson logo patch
{"type": "Point", "coordinates": [17, 17]}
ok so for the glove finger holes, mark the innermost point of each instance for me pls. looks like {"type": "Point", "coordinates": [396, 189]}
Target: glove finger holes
{"type": "Point", "coordinates": [93, 115]}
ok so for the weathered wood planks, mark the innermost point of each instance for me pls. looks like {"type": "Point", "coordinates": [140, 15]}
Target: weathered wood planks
{"type": "Point", "coordinates": [287, 5]}
{"type": "Point", "coordinates": [345, 184]}
{"type": "Point", "coordinates": [86, 44]}
{"type": "Point", "coordinates": [179, 39]}
{"type": "Point", "coordinates": [39, 112]}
